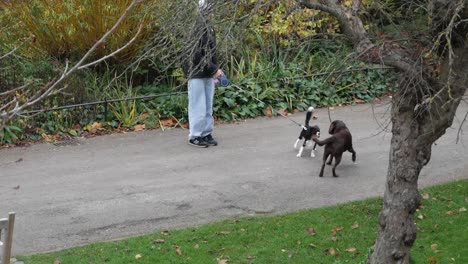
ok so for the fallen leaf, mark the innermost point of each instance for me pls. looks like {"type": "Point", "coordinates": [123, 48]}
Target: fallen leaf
{"type": "Point", "coordinates": [312, 245]}
{"type": "Point", "coordinates": [268, 111]}
{"type": "Point", "coordinates": [433, 260]}
{"type": "Point", "coordinates": [332, 251]}
{"type": "Point", "coordinates": [283, 112]}
{"type": "Point", "coordinates": [250, 257]}
{"type": "Point", "coordinates": [222, 261]}
{"type": "Point", "coordinates": [46, 137]}
{"type": "Point", "coordinates": [336, 229]}
{"type": "Point", "coordinates": [425, 196]}
{"type": "Point", "coordinates": [358, 101]}
{"type": "Point", "coordinates": [139, 128]}
{"type": "Point", "coordinates": [434, 246]}
{"type": "Point", "coordinates": [354, 226]}
{"type": "Point", "coordinates": [451, 212]}
{"type": "Point", "coordinates": [311, 231]}
{"type": "Point", "coordinates": [351, 249]}
{"type": "Point", "coordinates": [165, 233]}
{"type": "Point", "coordinates": [56, 261]}
{"type": "Point", "coordinates": [196, 246]}
{"type": "Point", "coordinates": [421, 216]}
{"type": "Point", "coordinates": [178, 251]}
{"type": "Point", "coordinates": [331, 108]}
{"type": "Point", "coordinates": [138, 256]}
{"type": "Point", "coordinates": [463, 209]}
{"type": "Point", "coordinates": [223, 232]}
{"type": "Point", "coordinates": [334, 239]}
{"type": "Point", "coordinates": [96, 125]}
{"type": "Point", "coordinates": [167, 122]}
{"type": "Point", "coordinates": [159, 241]}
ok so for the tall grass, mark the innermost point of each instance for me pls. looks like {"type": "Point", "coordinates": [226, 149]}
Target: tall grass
{"type": "Point", "coordinates": [67, 29]}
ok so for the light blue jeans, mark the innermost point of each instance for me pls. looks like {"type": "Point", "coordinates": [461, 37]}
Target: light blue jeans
{"type": "Point", "coordinates": [200, 109]}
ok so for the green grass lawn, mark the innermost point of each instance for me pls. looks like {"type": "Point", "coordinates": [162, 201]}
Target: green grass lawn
{"type": "Point", "coordinates": [338, 234]}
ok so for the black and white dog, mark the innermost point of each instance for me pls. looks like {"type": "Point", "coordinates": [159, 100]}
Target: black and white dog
{"type": "Point", "coordinates": [307, 132]}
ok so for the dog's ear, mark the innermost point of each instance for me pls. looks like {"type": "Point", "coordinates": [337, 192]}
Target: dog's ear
{"type": "Point", "coordinates": [331, 130]}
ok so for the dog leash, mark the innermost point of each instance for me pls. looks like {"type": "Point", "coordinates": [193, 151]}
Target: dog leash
{"type": "Point", "coordinates": [283, 115]}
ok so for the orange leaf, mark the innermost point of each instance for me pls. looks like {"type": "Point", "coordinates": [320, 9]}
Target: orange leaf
{"type": "Point", "coordinates": [167, 122]}
{"type": "Point", "coordinates": [139, 128]}
{"type": "Point", "coordinates": [433, 260]}
{"type": "Point", "coordinates": [96, 125]}
{"type": "Point", "coordinates": [268, 111]}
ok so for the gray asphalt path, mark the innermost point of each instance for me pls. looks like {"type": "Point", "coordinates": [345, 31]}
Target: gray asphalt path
{"type": "Point", "coordinates": [121, 185]}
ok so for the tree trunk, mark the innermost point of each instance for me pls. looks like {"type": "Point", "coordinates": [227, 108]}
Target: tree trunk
{"type": "Point", "coordinates": [422, 109]}
{"type": "Point", "coordinates": [410, 150]}
{"type": "Point", "coordinates": [407, 157]}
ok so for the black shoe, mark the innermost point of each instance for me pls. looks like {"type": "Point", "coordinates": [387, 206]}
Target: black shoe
{"type": "Point", "coordinates": [198, 142]}
{"type": "Point", "coordinates": [210, 140]}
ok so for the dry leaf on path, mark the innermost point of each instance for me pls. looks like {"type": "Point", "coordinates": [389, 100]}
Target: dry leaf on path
{"type": "Point", "coordinates": [269, 112]}
{"type": "Point", "coordinates": [139, 128]}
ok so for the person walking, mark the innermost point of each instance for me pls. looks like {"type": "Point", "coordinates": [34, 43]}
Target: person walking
{"type": "Point", "coordinates": [201, 68]}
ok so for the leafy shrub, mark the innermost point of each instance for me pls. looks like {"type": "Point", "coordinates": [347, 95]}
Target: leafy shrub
{"type": "Point", "coordinates": [67, 29]}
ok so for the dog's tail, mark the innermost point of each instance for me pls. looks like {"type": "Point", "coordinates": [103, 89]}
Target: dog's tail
{"type": "Point", "coordinates": [308, 115]}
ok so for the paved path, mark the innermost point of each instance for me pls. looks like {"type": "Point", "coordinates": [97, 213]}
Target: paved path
{"type": "Point", "coordinates": [127, 184]}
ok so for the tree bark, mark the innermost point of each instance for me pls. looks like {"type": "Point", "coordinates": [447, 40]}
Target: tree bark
{"type": "Point", "coordinates": [422, 109]}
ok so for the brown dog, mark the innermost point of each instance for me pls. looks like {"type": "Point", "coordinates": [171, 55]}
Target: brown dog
{"type": "Point", "coordinates": [339, 142]}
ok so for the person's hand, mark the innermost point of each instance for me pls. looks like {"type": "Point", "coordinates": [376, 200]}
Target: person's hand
{"type": "Point", "coordinates": [218, 74]}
